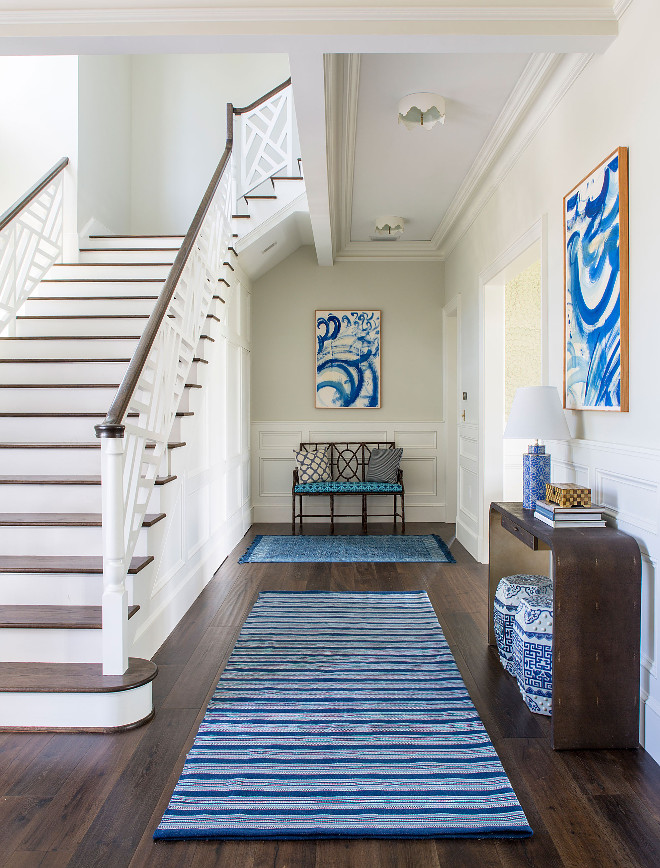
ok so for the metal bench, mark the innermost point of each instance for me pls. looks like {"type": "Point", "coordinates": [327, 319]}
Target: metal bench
{"type": "Point", "coordinates": [349, 461]}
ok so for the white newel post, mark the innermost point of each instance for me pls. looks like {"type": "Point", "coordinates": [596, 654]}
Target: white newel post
{"type": "Point", "coordinates": [115, 597]}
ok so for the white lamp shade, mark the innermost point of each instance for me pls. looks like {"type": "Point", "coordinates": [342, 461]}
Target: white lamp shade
{"type": "Point", "coordinates": [536, 414]}
{"type": "Point", "coordinates": [423, 110]}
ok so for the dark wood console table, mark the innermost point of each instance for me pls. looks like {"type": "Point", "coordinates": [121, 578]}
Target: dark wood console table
{"type": "Point", "coordinates": [596, 574]}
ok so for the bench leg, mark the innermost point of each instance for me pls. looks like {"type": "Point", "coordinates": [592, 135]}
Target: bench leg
{"type": "Point", "coordinates": [364, 513]}
{"type": "Point", "coordinates": [394, 516]}
{"type": "Point", "coordinates": [300, 515]}
{"type": "Point", "coordinates": [403, 515]}
{"type": "Point", "coordinates": [293, 514]}
{"type": "Point", "coordinates": [332, 513]}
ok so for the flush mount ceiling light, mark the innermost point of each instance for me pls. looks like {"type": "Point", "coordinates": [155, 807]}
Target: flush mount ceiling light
{"type": "Point", "coordinates": [388, 228]}
{"type": "Point", "coordinates": [421, 110]}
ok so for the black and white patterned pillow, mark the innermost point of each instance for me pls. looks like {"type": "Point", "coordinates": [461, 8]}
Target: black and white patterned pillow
{"type": "Point", "coordinates": [384, 465]}
{"type": "Point", "coordinates": [313, 466]}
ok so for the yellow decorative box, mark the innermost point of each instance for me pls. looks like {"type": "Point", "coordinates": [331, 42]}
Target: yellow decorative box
{"type": "Point", "coordinates": [567, 494]}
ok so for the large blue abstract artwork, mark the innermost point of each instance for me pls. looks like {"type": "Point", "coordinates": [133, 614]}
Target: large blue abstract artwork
{"type": "Point", "coordinates": [596, 288]}
{"type": "Point", "coordinates": [347, 358]}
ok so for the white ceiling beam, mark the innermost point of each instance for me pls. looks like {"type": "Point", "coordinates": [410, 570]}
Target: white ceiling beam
{"type": "Point", "coordinates": [308, 83]}
{"type": "Point", "coordinates": [90, 26]}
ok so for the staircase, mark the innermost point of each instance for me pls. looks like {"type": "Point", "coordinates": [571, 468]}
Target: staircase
{"type": "Point", "coordinates": [66, 596]}
{"type": "Point", "coordinates": [58, 375]}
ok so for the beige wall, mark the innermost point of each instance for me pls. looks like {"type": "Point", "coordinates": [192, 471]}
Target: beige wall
{"type": "Point", "coordinates": [522, 333]}
{"type": "Point", "coordinates": [410, 296]}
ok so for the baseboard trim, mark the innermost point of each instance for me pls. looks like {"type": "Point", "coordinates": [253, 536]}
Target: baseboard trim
{"type": "Point", "coordinates": [468, 539]}
{"type": "Point", "coordinates": [272, 514]}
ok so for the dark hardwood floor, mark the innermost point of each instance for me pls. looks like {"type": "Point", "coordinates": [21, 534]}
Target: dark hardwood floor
{"type": "Point", "coordinates": [95, 800]}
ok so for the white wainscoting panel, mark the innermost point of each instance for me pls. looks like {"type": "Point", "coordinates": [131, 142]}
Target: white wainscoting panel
{"type": "Point", "coordinates": [423, 465]}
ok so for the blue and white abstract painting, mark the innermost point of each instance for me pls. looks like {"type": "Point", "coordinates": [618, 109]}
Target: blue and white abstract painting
{"type": "Point", "coordinates": [347, 358]}
{"type": "Point", "coordinates": [596, 335]}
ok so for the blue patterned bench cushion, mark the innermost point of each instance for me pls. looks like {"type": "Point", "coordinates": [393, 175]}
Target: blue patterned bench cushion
{"type": "Point", "coordinates": [338, 487]}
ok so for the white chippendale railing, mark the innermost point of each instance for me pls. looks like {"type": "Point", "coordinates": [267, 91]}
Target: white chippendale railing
{"type": "Point", "coordinates": [264, 138]}
{"type": "Point", "coordinates": [30, 241]}
{"type": "Point", "coordinates": [131, 451]}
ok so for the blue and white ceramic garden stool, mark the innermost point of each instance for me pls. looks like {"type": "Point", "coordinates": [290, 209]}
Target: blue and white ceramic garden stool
{"type": "Point", "coordinates": [532, 651]}
{"type": "Point", "coordinates": [510, 592]}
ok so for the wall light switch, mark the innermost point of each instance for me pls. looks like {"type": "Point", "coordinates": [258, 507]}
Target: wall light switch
{"type": "Point", "coordinates": [465, 396]}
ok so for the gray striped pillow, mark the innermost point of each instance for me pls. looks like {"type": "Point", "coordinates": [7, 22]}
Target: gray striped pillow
{"type": "Point", "coordinates": [384, 465]}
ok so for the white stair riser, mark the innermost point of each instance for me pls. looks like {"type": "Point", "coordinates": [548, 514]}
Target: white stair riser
{"type": "Point", "coordinates": [69, 372]}
{"type": "Point", "coordinates": [126, 256]}
{"type": "Point", "coordinates": [31, 645]}
{"type": "Point", "coordinates": [68, 326]}
{"type": "Point", "coordinates": [67, 462]}
{"type": "Point", "coordinates": [114, 241]}
{"type": "Point", "coordinates": [85, 288]}
{"type": "Point", "coordinates": [61, 498]}
{"type": "Point", "coordinates": [116, 272]}
{"type": "Point", "coordinates": [122, 348]}
{"type": "Point", "coordinates": [62, 429]}
{"type": "Point", "coordinates": [56, 541]}
{"type": "Point", "coordinates": [99, 306]}
{"type": "Point", "coordinates": [65, 589]}
{"type": "Point", "coordinates": [76, 710]}
{"type": "Point", "coordinates": [63, 400]}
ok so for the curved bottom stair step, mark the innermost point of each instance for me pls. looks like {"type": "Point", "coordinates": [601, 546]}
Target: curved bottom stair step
{"type": "Point", "coordinates": [75, 697]}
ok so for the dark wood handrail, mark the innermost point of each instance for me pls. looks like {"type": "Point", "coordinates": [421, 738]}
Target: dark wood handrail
{"type": "Point", "coordinates": [112, 424]}
{"type": "Point", "coordinates": [18, 206]}
{"type": "Point", "coordinates": [264, 98]}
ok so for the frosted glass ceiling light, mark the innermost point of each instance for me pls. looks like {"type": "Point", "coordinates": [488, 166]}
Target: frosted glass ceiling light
{"type": "Point", "coordinates": [390, 227]}
{"type": "Point", "coordinates": [423, 110]}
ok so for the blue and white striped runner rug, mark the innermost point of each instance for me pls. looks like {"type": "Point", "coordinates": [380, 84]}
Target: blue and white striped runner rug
{"type": "Point", "coordinates": [342, 715]}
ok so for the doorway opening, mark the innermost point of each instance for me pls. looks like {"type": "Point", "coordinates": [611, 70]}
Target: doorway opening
{"type": "Point", "coordinates": [513, 356]}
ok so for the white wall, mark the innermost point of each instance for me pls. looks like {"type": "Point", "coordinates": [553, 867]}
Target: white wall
{"type": "Point", "coordinates": [38, 126]}
{"type": "Point", "coordinates": [410, 298]}
{"type": "Point", "coordinates": [617, 454]}
{"type": "Point", "coordinates": [179, 127]}
{"type": "Point", "coordinates": [208, 505]}
{"type": "Point", "coordinates": [104, 124]}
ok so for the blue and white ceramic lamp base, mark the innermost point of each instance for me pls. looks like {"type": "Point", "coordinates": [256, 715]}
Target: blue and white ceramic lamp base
{"type": "Point", "coordinates": [536, 473]}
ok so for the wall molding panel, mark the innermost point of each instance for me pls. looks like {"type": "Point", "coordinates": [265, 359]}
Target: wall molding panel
{"type": "Point", "coordinates": [423, 464]}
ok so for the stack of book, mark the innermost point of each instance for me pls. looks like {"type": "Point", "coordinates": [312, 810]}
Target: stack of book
{"type": "Point", "coordinates": [569, 516]}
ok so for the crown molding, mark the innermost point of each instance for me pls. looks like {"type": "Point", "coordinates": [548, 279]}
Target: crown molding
{"type": "Point", "coordinates": [619, 7]}
{"type": "Point", "coordinates": [527, 88]}
{"type": "Point", "coordinates": [261, 13]}
{"type": "Point", "coordinates": [560, 76]}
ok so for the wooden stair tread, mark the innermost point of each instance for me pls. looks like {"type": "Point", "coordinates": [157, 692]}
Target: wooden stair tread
{"type": "Point", "coordinates": [93, 298]}
{"type": "Point", "coordinates": [55, 415]}
{"type": "Point", "coordinates": [90, 564]}
{"type": "Point", "coordinates": [75, 361]}
{"type": "Point", "coordinates": [64, 519]}
{"type": "Point", "coordinates": [103, 279]}
{"type": "Point", "coordinates": [31, 479]}
{"type": "Point", "coordinates": [73, 445]}
{"type": "Point", "coordinates": [128, 250]}
{"type": "Point", "coordinates": [137, 236]}
{"type": "Point", "coordinates": [96, 315]}
{"type": "Point", "coordinates": [111, 264]}
{"type": "Point", "coordinates": [54, 617]}
{"type": "Point", "coordinates": [73, 677]}
{"type": "Point", "coordinates": [287, 178]}
{"type": "Point", "coordinates": [114, 386]}
{"type": "Point", "coordinates": [84, 338]}
{"type": "Point", "coordinates": [248, 196]}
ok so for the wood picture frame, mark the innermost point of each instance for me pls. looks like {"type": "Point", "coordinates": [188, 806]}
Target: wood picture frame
{"type": "Point", "coordinates": [596, 288]}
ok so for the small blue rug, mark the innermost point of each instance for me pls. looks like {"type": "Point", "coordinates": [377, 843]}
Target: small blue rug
{"type": "Point", "coordinates": [342, 716]}
{"type": "Point", "coordinates": [428, 549]}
